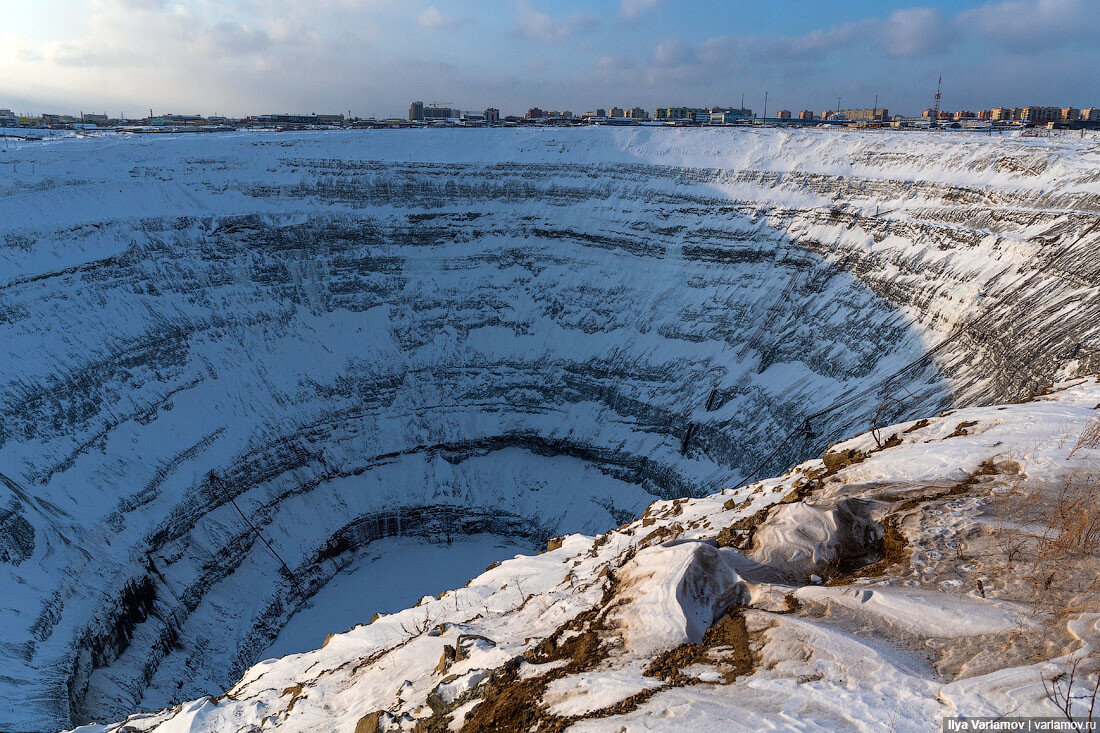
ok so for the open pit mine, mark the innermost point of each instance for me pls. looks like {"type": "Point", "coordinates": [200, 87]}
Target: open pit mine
{"type": "Point", "coordinates": [271, 402]}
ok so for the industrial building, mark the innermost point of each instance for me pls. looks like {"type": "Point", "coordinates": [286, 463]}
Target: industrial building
{"type": "Point", "coordinates": [728, 116]}
{"type": "Point", "coordinates": [418, 112]}
{"type": "Point", "coordinates": [879, 114]}
{"type": "Point", "coordinates": [282, 119]}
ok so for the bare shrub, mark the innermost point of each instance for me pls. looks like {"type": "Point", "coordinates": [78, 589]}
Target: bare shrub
{"type": "Point", "coordinates": [1090, 437]}
{"type": "Point", "coordinates": [1053, 535]}
{"type": "Point", "coordinates": [1010, 511]}
{"type": "Point", "coordinates": [1072, 525]}
{"type": "Point", "coordinates": [1059, 690]}
{"type": "Point", "coordinates": [418, 627]}
{"type": "Point", "coordinates": [890, 404]}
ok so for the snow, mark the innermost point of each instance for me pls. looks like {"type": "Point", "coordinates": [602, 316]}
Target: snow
{"type": "Point", "coordinates": [580, 694]}
{"type": "Point", "coordinates": [420, 333]}
{"type": "Point", "coordinates": [866, 663]}
{"type": "Point", "coordinates": [389, 575]}
{"type": "Point", "coordinates": [676, 591]}
{"type": "Point", "coordinates": [922, 613]}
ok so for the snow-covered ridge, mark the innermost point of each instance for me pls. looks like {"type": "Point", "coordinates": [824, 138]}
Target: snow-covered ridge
{"type": "Point", "coordinates": [710, 613]}
{"type": "Point", "coordinates": [515, 332]}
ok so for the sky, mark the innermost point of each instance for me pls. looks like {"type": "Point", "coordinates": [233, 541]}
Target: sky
{"type": "Point", "coordinates": [372, 57]}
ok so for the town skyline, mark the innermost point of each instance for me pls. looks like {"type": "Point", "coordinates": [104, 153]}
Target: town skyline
{"type": "Point", "coordinates": [420, 114]}
{"type": "Point", "coordinates": [369, 57]}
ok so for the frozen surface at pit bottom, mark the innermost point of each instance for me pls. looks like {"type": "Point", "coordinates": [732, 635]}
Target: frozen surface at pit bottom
{"type": "Point", "coordinates": [389, 575]}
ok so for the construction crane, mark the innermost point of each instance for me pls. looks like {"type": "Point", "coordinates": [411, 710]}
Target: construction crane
{"type": "Point", "coordinates": [936, 104]}
{"type": "Point", "coordinates": [440, 104]}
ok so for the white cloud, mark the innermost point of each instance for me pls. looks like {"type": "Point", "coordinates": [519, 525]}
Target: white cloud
{"type": "Point", "coordinates": [538, 26]}
{"type": "Point", "coordinates": [914, 31]}
{"type": "Point", "coordinates": [822, 41]}
{"type": "Point", "coordinates": [905, 33]}
{"type": "Point", "coordinates": [267, 55]}
{"type": "Point", "coordinates": [718, 49]}
{"type": "Point", "coordinates": [433, 19]}
{"type": "Point", "coordinates": [673, 52]}
{"type": "Point", "coordinates": [144, 4]}
{"type": "Point", "coordinates": [1030, 22]}
{"type": "Point", "coordinates": [614, 63]}
{"type": "Point", "coordinates": [633, 8]}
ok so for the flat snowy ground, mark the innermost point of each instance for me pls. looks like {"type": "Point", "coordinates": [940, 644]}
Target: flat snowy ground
{"type": "Point", "coordinates": [391, 574]}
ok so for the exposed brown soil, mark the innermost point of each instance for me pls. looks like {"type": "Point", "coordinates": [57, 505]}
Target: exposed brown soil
{"type": "Point", "coordinates": [739, 534]}
{"type": "Point", "coordinates": [960, 429]}
{"type": "Point", "coordinates": [509, 703]}
{"type": "Point", "coordinates": [895, 551]}
{"type": "Point", "coordinates": [295, 692]}
{"type": "Point", "coordinates": [839, 460]}
{"type": "Point", "coordinates": [728, 638]}
{"type": "Point", "coordinates": [661, 534]}
{"type": "Point", "coordinates": [368, 723]}
{"type": "Point", "coordinates": [892, 441]}
{"type": "Point", "coordinates": [894, 546]}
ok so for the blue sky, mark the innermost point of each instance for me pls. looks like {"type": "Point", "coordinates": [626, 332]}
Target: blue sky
{"type": "Point", "coordinates": [373, 56]}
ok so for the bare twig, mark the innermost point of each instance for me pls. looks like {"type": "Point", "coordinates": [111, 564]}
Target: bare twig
{"type": "Point", "coordinates": [1090, 437]}
{"type": "Point", "coordinates": [1059, 690]}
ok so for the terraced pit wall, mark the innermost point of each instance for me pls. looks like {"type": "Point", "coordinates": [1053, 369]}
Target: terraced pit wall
{"type": "Point", "coordinates": [528, 332]}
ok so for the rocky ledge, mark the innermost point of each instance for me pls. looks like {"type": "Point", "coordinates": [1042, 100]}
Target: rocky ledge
{"type": "Point", "coordinates": [939, 567]}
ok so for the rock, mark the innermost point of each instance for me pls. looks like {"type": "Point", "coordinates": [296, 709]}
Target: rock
{"type": "Point", "coordinates": [369, 723]}
{"type": "Point", "coordinates": [446, 659]}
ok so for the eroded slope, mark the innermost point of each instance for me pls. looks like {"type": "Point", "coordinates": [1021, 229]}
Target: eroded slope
{"type": "Point", "coordinates": [876, 586]}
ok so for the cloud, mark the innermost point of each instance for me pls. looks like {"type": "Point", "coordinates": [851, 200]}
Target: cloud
{"type": "Point", "coordinates": [538, 26]}
{"type": "Point", "coordinates": [28, 55]}
{"type": "Point", "coordinates": [235, 39]}
{"type": "Point", "coordinates": [822, 41]}
{"type": "Point", "coordinates": [87, 57]}
{"type": "Point", "coordinates": [614, 63]}
{"type": "Point", "coordinates": [433, 19]}
{"type": "Point", "coordinates": [914, 32]}
{"type": "Point", "coordinates": [631, 9]}
{"type": "Point", "coordinates": [1031, 22]}
{"type": "Point", "coordinates": [143, 4]}
{"type": "Point", "coordinates": [673, 52]}
{"type": "Point", "coordinates": [719, 48]}
{"type": "Point", "coordinates": [905, 33]}
{"type": "Point", "coordinates": [264, 55]}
